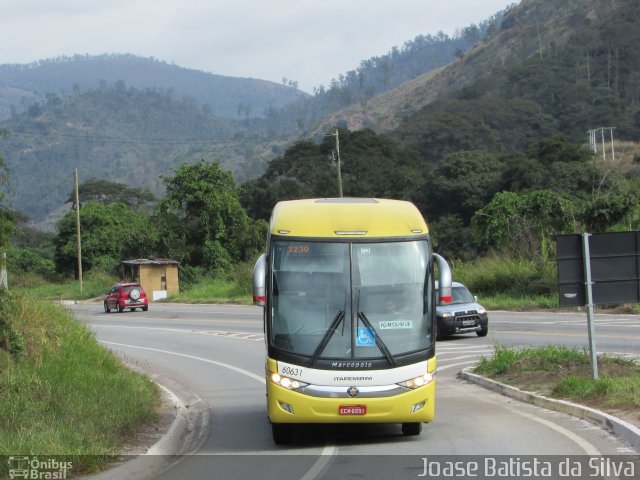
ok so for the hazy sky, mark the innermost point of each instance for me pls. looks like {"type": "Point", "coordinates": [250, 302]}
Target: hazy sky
{"type": "Point", "coordinates": [309, 41]}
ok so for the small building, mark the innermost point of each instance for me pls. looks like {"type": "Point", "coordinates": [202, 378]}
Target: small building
{"type": "Point", "coordinates": [158, 276]}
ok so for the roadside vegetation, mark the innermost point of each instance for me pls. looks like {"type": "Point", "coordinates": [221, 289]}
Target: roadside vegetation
{"type": "Point", "coordinates": [565, 373]}
{"type": "Point", "coordinates": [61, 393]}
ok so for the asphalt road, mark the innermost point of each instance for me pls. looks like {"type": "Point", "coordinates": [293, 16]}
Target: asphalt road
{"type": "Point", "coordinates": [216, 353]}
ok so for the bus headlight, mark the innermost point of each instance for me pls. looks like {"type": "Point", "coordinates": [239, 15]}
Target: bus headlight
{"type": "Point", "coordinates": [286, 382]}
{"type": "Point", "coordinates": [417, 382]}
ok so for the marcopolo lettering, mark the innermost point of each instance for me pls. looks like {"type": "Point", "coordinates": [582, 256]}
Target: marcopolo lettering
{"type": "Point", "coordinates": [351, 365]}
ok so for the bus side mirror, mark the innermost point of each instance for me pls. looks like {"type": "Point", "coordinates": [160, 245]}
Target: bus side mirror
{"type": "Point", "coordinates": [259, 280]}
{"type": "Point", "coordinates": [444, 280]}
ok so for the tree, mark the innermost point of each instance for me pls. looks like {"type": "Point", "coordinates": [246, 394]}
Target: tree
{"type": "Point", "coordinates": [106, 192]}
{"type": "Point", "coordinates": [461, 184]}
{"type": "Point", "coordinates": [553, 164]}
{"type": "Point", "coordinates": [611, 205]}
{"type": "Point", "coordinates": [524, 223]}
{"type": "Point", "coordinates": [201, 221]}
{"type": "Point", "coordinates": [373, 165]}
{"type": "Point", "coordinates": [109, 233]}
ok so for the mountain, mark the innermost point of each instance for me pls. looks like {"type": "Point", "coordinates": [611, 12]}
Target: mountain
{"type": "Point", "coordinates": [132, 119]}
{"type": "Point", "coordinates": [554, 67]}
{"type": "Point", "coordinates": [547, 30]}
{"type": "Point", "coordinates": [228, 97]}
{"type": "Point", "coordinates": [546, 67]}
{"type": "Point", "coordinates": [122, 134]}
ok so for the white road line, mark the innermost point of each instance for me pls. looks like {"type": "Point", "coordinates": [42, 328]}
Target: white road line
{"type": "Point", "coordinates": [328, 451]}
{"type": "Point", "coordinates": [446, 367]}
{"type": "Point", "coordinates": [255, 337]}
{"type": "Point", "coordinates": [463, 357]}
{"type": "Point", "coordinates": [452, 352]}
{"type": "Point", "coordinates": [192, 357]}
{"type": "Point", "coordinates": [588, 448]}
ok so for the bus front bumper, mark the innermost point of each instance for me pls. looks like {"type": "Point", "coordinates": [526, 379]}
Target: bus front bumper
{"type": "Point", "coordinates": [289, 406]}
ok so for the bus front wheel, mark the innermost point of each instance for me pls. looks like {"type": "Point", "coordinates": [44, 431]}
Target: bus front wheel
{"type": "Point", "coordinates": [282, 433]}
{"type": "Point", "coordinates": [411, 428]}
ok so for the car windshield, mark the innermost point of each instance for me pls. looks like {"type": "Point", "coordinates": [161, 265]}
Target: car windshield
{"type": "Point", "coordinates": [461, 295]}
{"type": "Point", "coordinates": [350, 300]}
{"type": "Point", "coordinates": [128, 288]}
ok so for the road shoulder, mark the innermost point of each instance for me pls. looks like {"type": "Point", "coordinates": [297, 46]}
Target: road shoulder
{"type": "Point", "coordinates": [624, 430]}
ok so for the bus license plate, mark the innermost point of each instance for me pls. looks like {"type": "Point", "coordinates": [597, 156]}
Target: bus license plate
{"type": "Point", "coordinates": [352, 410]}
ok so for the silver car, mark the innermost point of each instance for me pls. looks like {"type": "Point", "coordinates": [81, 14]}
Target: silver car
{"type": "Point", "coordinates": [463, 315]}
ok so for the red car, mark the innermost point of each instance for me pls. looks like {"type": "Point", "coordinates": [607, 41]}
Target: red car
{"type": "Point", "coordinates": [126, 295]}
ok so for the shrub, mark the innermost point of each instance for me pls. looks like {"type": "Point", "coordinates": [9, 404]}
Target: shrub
{"type": "Point", "coordinates": [517, 276]}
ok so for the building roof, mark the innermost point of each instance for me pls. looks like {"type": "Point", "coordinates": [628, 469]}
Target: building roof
{"type": "Point", "coordinates": [152, 261]}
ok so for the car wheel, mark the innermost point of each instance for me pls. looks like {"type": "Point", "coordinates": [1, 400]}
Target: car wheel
{"type": "Point", "coordinates": [410, 429]}
{"type": "Point", "coordinates": [120, 308]}
{"type": "Point", "coordinates": [134, 294]}
{"type": "Point", "coordinates": [145, 308]}
{"type": "Point", "coordinates": [106, 307]}
{"type": "Point", "coordinates": [282, 433]}
{"type": "Point", "coordinates": [483, 331]}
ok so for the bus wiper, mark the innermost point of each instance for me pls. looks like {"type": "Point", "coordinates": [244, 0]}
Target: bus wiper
{"type": "Point", "coordinates": [327, 336]}
{"type": "Point", "coordinates": [381, 345]}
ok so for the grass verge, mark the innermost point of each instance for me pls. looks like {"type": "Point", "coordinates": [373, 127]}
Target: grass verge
{"type": "Point", "coordinates": [565, 373]}
{"type": "Point", "coordinates": [61, 393]}
{"type": "Point", "coordinates": [214, 290]}
{"type": "Point", "coordinates": [503, 301]}
{"type": "Point", "coordinates": [95, 284]}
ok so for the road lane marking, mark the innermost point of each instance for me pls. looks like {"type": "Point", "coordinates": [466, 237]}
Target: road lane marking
{"type": "Point", "coordinates": [192, 357]}
{"type": "Point", "coordinates": [252, 336]}
{"type": "Point", "coordinates": [566, 334]}
{"type": "Point", "coordinates": [454, 352]}
{"type": "Point", "coordinates": [446, 367]}
{"type": "Point", "coordinates": [328, 451]}
{"type": "Point", "coordinates": [585, 445]}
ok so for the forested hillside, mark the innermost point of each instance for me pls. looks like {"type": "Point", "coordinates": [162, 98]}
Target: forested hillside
{"type": "Point", "coordinates": [227, 97]}
{"type": "Point", "coordinates": [502, 160]}
{"type": "Point", "coordinates": [130, 119]}
{"type": "Point", "coordinates": [535, 70]}
{"type": "Point", "coordinates": [118, 133]}
{"type": "Point", "coordinates": [590, 80]}
{"type": "Point", "coordinates": [572, 33]}
{"type": "Point", "coordinates": [359, 87]}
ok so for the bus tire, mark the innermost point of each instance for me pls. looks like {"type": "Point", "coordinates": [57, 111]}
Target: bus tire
{"type": "Point", "coordinates": [410, 429]}
{"type": "Point", "coordinates": [282, 433]}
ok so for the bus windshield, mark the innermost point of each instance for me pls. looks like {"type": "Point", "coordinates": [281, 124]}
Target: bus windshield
{"type": "Point", "coordinates": [340, 300]}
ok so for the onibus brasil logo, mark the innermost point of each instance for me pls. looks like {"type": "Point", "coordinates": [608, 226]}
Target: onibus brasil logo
{"type": "Point", "coordinates": [34, 468]}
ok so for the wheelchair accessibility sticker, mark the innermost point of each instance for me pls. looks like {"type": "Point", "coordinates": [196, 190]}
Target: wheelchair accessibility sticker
{"type": "Point", "coordinates": [365, 338]}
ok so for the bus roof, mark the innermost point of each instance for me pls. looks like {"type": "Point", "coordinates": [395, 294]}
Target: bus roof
{"type": "Point", "coordinates": [347, 217]}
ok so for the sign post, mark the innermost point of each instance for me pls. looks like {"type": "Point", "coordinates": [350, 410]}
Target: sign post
{"type": "Point", "coordinates": [588, 291]}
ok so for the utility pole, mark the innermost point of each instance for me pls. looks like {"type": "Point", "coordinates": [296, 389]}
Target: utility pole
{"type": "Point", "coordinates": [593, 141]}
{"type": "Point", "coordinates": [77, 202]}
{"type": "Point", "coordinates": [335, 134]}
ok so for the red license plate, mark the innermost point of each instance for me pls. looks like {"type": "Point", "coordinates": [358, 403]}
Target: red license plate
{"type": "Point", "coordinates": [352, 410]}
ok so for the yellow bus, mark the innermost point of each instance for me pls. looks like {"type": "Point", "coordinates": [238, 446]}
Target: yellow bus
{"type": "Point", "coordinates": [347, 286]}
